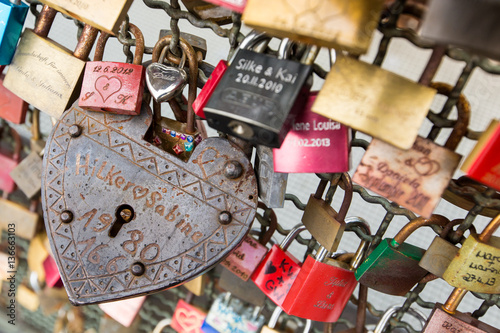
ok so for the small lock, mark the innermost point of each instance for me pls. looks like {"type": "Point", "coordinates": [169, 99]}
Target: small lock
{"type": "Point", "coordinates": [277, 271]}
{"type": "Point", "coordinates": [476, 265]}
{"type": "Point", "coordinates": [117, 309]}
{"type": "Point", "coordinates": [55, 75]}
{"type": "Point", "coordinates": [483, 163]}
{"type": "Point", "coordinates": [9, 160]}
{"type": "Point", "coordinates": [12, 15]}
{"type": "Point", "coordinates": [187, 318]}
{"type": "Point", "coordinates": [392, 268]}
{"type": "Point", "coordinates": [374, 101]}
{"type": "Point", "coordinates": [272, 185]}
{"type": "Point", "coordinates": [207, 11]}
{"type": "Point", "coordinates": [12, 108]}
{"type": "Point", "coordinates": [114, 87]}
{"type": "Point", "coordinates": [323, 286]}
{"type": "Point", "coordinates": [322, 221]}
{"type": "Point", "coordinates": [259, 95]}
{"type": "Point", "coordinates": [415, 178]}
{"type": "Point", "coordinates": [445, 318]}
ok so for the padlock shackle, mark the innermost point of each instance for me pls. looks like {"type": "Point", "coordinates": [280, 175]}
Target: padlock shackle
{"type": "Point", "coordinates": [44, 21]}
{"type": "Point", "coordinates": [35, 124]}
{"type": "Point", "coordinates": [485, 236]}
{"type": "Point", "coordinates": [193, 73]}
{"type": "Point", "coordinates": [414, 224]}
{"type": "Point", "coordinates": [456, 296]}
{"type": "Point", "coordinates": [386, 317]}
{"type": "Point", "coordinates": [463, 111]}
{"type": "Point", "coordinates": [85, 42]}
{"type": "Point", "coordinates": [273, 225]}
{"type": "Point", "coordinates": [348, 188]}
{"type": "Point", "coordinates": [287, 241]}
{"type": "Point", "coordinates": [251, 40]}
{"type": "Point", "coordinates": [276, 315]}
{"type": "Point", "coordinates": [139, 45]}
{"type": "Point", "coordinates": [363, 246]}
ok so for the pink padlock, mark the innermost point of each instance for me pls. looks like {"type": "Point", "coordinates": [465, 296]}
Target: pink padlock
{"type": "Point", "coordinates": [52, 277]}
{"type": "Point", "coordinates": [234, 5]}
{"type": "Point", "coordinates": [8, 161]}
{"type": "Point", "coordinates": [315, 144]}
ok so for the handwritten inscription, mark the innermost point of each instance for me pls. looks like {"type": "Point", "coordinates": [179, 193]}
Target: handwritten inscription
{"type": "Point", "coordinates": [245, 258]}
{"type": "Point", "coordinates": [109, 174]}
{"type": "Point", "coordinates": [414, 179]}
{"type": "Point", "coordinates": [482, 268]}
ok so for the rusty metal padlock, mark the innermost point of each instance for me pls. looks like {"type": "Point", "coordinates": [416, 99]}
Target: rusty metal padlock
{"type": "Point", "coordinates": [12, 108]}
{"type": "Point", "coordinates": [392, 268]}
{"type": "Point", "coordinates": [415, 178]}
{"type": "Point", "coordinates": [114, 87]}
{"type": "Point", "coordinates": [322, 221]}
{"type": "Point", "coordinates": [198, 43]}
{"type": "Point", "coordinates": [272, 185]}
{"type": "Point", "coordinates": [50, 80]}
{"type": "Point", "coordinates": [445, 318]}
{"type": "Point", "coordinates": [164, 220]}
{"type": "Point", "coordinates": [207, 11]}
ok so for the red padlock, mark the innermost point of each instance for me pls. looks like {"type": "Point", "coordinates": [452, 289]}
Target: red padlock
{"type": "Point", "coordinates": [245, 258]}
{"type": "Point", "coordinates": [12, 108]}
{"type": "Point", "coordinates": [278, 270]}
{"type": "Point", "coordinates": [323, 287]}
{"type": "Point", "coordinates": [114, 87]}
{"type": "Point", "coordinates": [209, 87]}
{"type": "Point", "coordinates": [52, 276]}
{"type": "Point", "coordinates": [8, 161]}
{"type": "Point", "coordinates": [315, 144]}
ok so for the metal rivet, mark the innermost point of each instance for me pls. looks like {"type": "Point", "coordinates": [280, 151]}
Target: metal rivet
{"type": "Point", "coordinates": [138, 269]}
{"type": "Point", "coordinates": [233, 169]}
{"type": "Point", "coordinates": [225, 217]}
{"type": "Point", "coordinates": [66, 216]}
{"type": "Point", "coordinates": [75, 131]}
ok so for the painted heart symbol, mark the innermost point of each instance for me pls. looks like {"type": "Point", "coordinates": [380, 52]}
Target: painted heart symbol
{"type": "Point", "coordinates": [189, 322]}
{"type": "Point", "coordinates": [164, 82]}
{"type": "Point", "coordinates": [270, 268]}
{"type": "Point", "coordinates": [107, 86]}
{"type": "Point", "coordinates": [175, 232]}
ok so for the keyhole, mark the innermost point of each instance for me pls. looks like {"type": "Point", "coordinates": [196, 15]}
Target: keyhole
{"type": "Point", "coordinates": [124, 214]}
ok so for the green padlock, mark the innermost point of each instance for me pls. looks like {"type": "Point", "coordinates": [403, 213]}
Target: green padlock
{"type": "Point", "coordinates": [392, 268]}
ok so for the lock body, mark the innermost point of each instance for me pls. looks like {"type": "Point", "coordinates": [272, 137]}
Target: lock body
{"type": "Point", "coordinates": [12, 211]}
{"type": "Point", "coordinates": [44, 74]}
{"type": "Point", "coordinates": [414, 179]}
{"type": "Point", "coordinates": [258, 97]}
{"type": "Point", "coordinates": [438, 256]}
{"type": "Point", "coordinates": [52, 277]}
{"type": "Point", "coordinates": [243, 260]}
{"type": "Point", "coordinates": [441, 321]}
{"type": "Point", "coordinates": [483, 163]}
{"type": "Point", "coordinates": [276, 274]}
{"type": "Point", "coordinates": [456, 29]}
{"type": "Point", "coordinates": [321, 221]}
{"type": "Point", "coordinates": [28, 173]}
{"type": "Point", "coordinates": [152, 197]}
{"type": "Point", "coordinates": [113, 87]}
{"type": "Point", "coordinates": [12, 108]}
{"type": "Point", "coordinates": [202, 99]}
{"type": "Point", "coordinates": [390, 270]}
{"type": "Point", "coordinates": [8, 163]}
{"type": "Point", "coordinates": [187, 318]}
{"type": "Point", "coordinates": [208, 11]}
{"type": "Point", "coordinates": [105, 16]}
{"type": "Point", "coordinates": [476, 266]}
{"type": "Point", "coordinates": [374, 101]}
{"type": "Point", "coordinates": [340, 24]}
{"type": "Point", "coordinates": [320, 291]}
{"type": "Point", "coordinates": [272, 185]}
{"type": "Point", "coordinates": [12, 17]}
{"type": "Point", "coordinates": [246, 291]}
{"type": "Point", "coordinates": [314, 144]}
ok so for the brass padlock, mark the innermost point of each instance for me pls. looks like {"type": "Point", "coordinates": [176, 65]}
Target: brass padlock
{"type": "Point", "coordinates": [19, 220]}
{"type": "Point", "coordinates": [44, 73]}
{"type": "Point", "coordinates": [374, 101]}
{"type": "Point", "coordinates": [341, 24]}
{"type": "Point", "coordinates": [322, 221]}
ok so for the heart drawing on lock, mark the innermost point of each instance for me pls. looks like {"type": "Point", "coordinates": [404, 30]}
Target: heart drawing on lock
{"type": "Point", "coordinates": [107, 86]}
{"type": "Point", "coordinates": [189, 321]}
{"type": "Point", "coordinates": [270, 268]}
{"type": "Point", "coordinates": [143, 208]}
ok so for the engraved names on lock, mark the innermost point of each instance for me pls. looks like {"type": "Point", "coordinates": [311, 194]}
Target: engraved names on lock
{"type": "Point", "coordinates": [142, 219]}
{"type": "Point", "coordinates": [414, 179]}
{"type": "Point", "coordinates": [244, 258]}
{"type": "Point", "coordinates": [442, 322]}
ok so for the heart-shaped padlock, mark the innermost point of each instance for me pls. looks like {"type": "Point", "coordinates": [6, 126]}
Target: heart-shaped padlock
{"type": "Point", "coordinates": [165, 82]}
{"type": "Point", "coordinates": [125, 218]}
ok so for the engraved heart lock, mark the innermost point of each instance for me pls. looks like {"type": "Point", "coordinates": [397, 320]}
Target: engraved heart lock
{"type": "Point", "coordinates": [125, 218]}
{"type": "Point", "coordinates": [165, 82]}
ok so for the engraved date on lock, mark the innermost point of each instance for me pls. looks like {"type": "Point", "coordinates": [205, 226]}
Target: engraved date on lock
{"type": "Point", "coordinates": [113, 70]}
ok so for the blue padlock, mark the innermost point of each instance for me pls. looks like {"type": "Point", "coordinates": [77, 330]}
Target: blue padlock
{"type": "Point", "coordinates": [12, 16]}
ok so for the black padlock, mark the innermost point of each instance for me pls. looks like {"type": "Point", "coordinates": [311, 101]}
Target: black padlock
{"type": "Point", "coordinates": [259, 95]}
